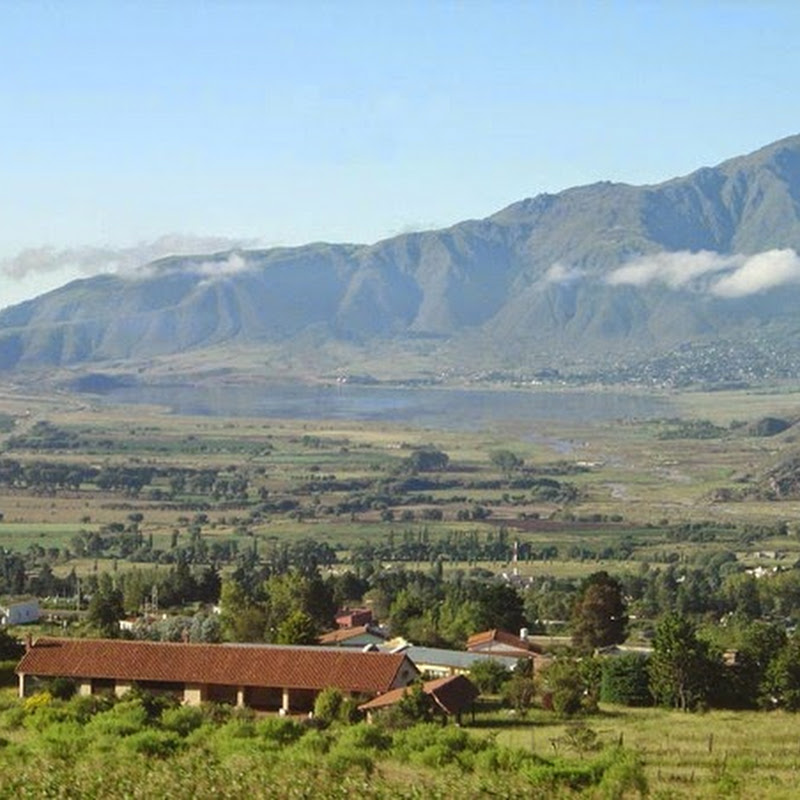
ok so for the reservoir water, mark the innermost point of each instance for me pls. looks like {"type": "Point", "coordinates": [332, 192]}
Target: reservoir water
{"type": "Point", "coordinates": [455, 409]}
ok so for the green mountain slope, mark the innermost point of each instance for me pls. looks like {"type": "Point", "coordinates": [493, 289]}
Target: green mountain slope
{"type": "Point", "coordinates": [607, 269]}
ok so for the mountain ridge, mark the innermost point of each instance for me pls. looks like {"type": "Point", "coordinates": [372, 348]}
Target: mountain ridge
{"type": "Point", "coordinates": [551, 278]}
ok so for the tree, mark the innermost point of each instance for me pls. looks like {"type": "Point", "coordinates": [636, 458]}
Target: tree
{"type": "Point", "coordinates": [297, 628]}
{"type": "Point", "coordinates": [626, 680]}
{"type": "Point", "coordinates": [426, 459]}
{"type": "Point", "coordinates": [506, 461]}
{"type": "Point", "coordinates": [488, 675]}
{"type": "Point", "coordinates": [599, 617]}
{"type": "Point", "coordinates": [328, 705]}
{"type": "Point", "coordinates": [294, 591]}
{"type": "Point", "coordinates": [242, 618]}
{"type": "Point", "coordinates": [682, 668]}
{"type": "Point", "coordinates": [10, 647]}
{"type": "Point", "coordinates": [782, 679]}
{"type": "Point", "coordinates": [519, 692]}
{"type": "Point", "coordinates": [106, 607]}
{"type": "Point", "coordinates": [564, 686]}
{"type": "Point", "coordinates": [414, 706]}
{"type": "Point", "coordinates": [747, 683]}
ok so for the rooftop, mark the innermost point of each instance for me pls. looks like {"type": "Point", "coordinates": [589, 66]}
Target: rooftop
{"type": "Point", "coordinates": [452, 694]}
{"type": "Point", "coordinates": [221, 664]}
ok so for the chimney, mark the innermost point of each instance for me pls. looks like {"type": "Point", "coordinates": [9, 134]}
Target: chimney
{"type": "Point", "coordinates": [28, 642]}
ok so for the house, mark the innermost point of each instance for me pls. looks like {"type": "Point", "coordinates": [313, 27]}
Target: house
{"type": "Point", "coordinates": [19, 610]}
{"type": "Point", "coordinates": [437, 662]}
{"type": "Point", "coordinates": [501, 643]}
{"type": "Point", "coordinates": [263, 677]}
{"type": "Point", "coordinates": [353, 617]}
{"type": "Point", "coordinates": [451, 696]}
{"type": "Point", "coordinates": [360, 636]}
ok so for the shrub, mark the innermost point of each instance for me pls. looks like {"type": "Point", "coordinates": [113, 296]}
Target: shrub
{"type": "Point", "coordinates": [624, 776]}
{"type": "Point", "coordinates": [36, 701]}
{"type": "Point", "coordinates": [342, 759]}
{"type": "Point", "coordinates": [7, 675]}
{"type": "Point", "coordinates": [365, 737]}
{"type": "Point", "coordinates": [281, 730]}
{"type": "Point", "coordinates": [519, 693]}
{"type": "Point", "coordinates": [328, 705]}
{"type": "Point", "coordinates": [182, 720]}
{"type": "Point", "coordinates": [314, 743]}
{"type": "Point", "coordinates": [153, 704]}
{"type": "Point", "coordinates": [63, 740]}
{"type": "Point", "coordinates": [84, 706]}
{"type": "Point", "coordinates": [626, 681]}
{"type": "Point", "coordinates": [62, 688]}
{"type": "Point", "coordinates": [124, 719]}
{"type": "Point", "coordinates": [154, 743]}
{"type": "Point", "coordinates": [489, 675]}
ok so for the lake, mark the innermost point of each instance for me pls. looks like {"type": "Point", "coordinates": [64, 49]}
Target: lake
{"type": "Point", "coordinates": [448, 409]}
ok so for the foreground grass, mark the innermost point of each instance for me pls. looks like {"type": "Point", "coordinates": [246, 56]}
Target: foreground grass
{"type": "Point", "coordinates": [138, 747]}
{"type": "Point", "coordinates": [716, 754]}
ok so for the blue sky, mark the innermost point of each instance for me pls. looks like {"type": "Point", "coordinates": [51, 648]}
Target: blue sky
{"type": "Point", "coordinates": [128, 128]}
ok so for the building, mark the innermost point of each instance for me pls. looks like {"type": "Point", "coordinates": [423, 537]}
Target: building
{"type": "Point", "coordinates": [450, 697]}
{"type": "Point", "coordinates": [437, 662]}
{"type": "Point", "coordinates": [19, 610]}
{"type": "Point", "coordinates": [498, 643]}
{"type": "Point", "coordinates": [360, 636]}
{"type": "Point", "coordinates": [353, 617]}
{"type": "Point", "coordinates": [263, 677]}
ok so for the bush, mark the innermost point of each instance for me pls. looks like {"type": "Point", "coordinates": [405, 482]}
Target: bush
{"type": "Point", "coordinates": [63, 740]}
{"type": "Point", "coordinates": [519, 693]}
{"type": "Point", "coordinates": [153, 743]}
{"type": "Point", "coordinates": [36, 701]}
{"type": "Point", "coordinates": [328, 705]}
{"type": "Point", "coordinates": [182, 720]}
{"type": "Point", "coordinates": [489, 675]}
{"type": "Point", "coordinates": [280, 730]}
{"type": "Point", "coordinates": [84, 706]}
{"type": "Point", "coordinates": [564, 686]}
{"type": "Point", "coordinates": [626, 681]}
{"type": "Point", "coordinates": [62, 688]}
{"type": "Point", "coordinates": [124, 719]}
{"type": "Point", "coordinates": [624, 776]}
{"type": "Point", "coordinates": [342, 759]}
{"type": "Point", "coordinates": [365, 737]}
{"type": "Point", "coordinates": [7, 675]}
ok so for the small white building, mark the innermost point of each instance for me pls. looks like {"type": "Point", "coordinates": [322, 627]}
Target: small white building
{"type": "Point", "coordinates": [19, 610]}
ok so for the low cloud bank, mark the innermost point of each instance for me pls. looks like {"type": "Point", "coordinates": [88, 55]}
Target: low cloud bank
{"type": "Point", "coordinates": [559, 273]}
{"type": "Point", "coordinates": [721, 275]}
{"type": "Point", "coordinates": [90, 260]}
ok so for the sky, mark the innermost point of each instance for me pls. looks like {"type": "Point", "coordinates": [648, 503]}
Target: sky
{"type": "Point", "coordinates": [132, 130]}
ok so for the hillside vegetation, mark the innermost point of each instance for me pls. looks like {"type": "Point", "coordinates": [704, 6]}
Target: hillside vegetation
{"type": "Point", "coordinates": [555, 281]}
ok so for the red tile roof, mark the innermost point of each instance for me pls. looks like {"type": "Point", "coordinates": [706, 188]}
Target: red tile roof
{"type": "Point", "coordinates": [452, 694]}
{"type": "Point", "coordinates": [221, 664]}
{"type": "Point", "coordinates": [487, 640]}
{"type": "Point", "coordinates": [343, 634]}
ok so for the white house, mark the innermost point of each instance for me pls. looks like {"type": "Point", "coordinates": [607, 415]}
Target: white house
{"type": "Point", "coordinates": [19, 610]}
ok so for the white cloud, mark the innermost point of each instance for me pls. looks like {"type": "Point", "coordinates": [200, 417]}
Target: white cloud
{"type": "Point", "coordinates": [760, 273]}
{"type": "Point", "coordinates": [90, 260]}
{"type": "Point", "coordinates": [734, 275]}
{"type": "Point", "coordinates": [676, 270]}
{"type": "Point", "coordinates": [559, 273]}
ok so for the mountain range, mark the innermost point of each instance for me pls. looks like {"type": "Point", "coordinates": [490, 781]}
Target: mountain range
{"type": "Point", "coordinates": [607, 273]}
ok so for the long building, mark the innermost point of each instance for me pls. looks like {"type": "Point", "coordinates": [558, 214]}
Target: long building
{"type": "Point", "coordinates": [263, 677]}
